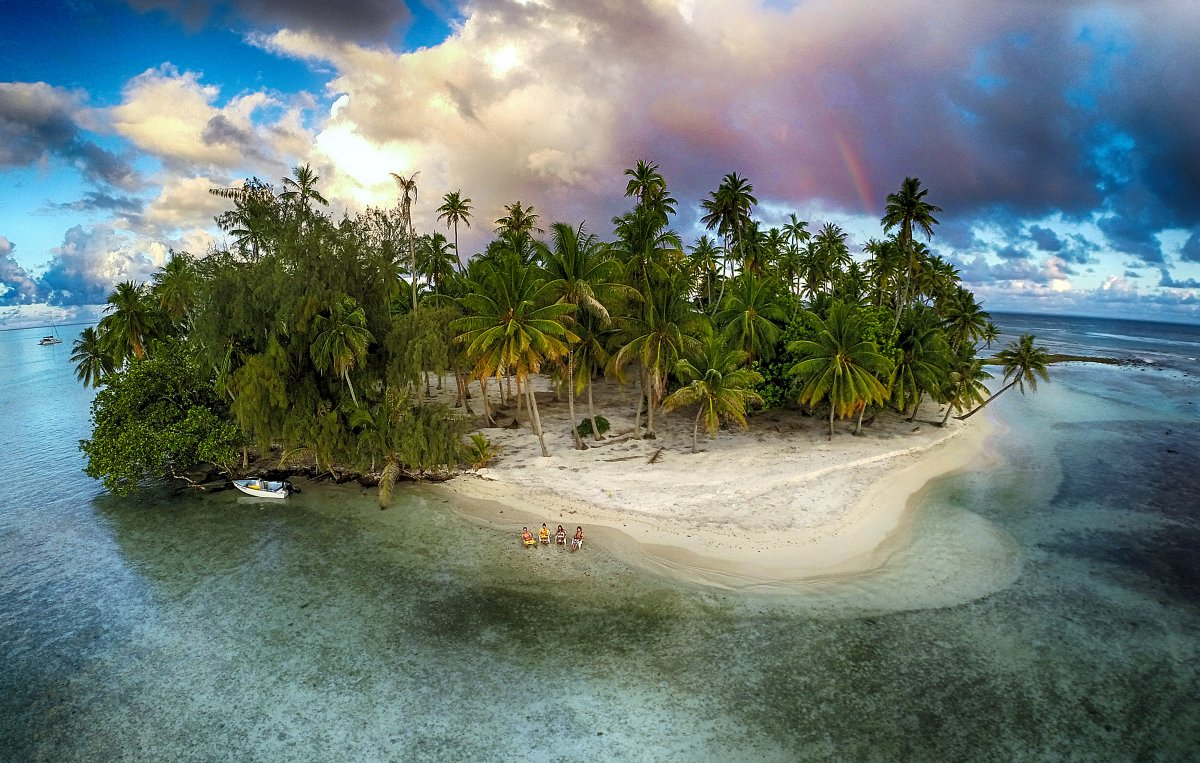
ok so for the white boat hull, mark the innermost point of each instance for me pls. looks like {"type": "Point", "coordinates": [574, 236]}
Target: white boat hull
{"type": "Point", "coordinates": [262, 488]}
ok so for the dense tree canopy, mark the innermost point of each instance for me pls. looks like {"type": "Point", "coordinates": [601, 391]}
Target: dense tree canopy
{"type": "Point", "coordinates": [317, 339]}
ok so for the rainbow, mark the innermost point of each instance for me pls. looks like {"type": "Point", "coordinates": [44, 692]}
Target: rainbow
{"type": "Point", "coordinates": [858, 172]}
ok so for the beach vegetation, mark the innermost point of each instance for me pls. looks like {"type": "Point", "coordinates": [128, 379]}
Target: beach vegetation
{"type": "Point", "coordinates": [331, 343]}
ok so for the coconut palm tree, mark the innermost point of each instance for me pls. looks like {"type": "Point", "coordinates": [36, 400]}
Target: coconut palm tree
{"type": "Point", "coordinates": [908, 209]}
{"type": "Point", "coordinates": [341, 340]}
{"type": "Point", "coordinates": [519, 225]}
{"type": "Point", "coordinates": [435, 260]}
{"type": "Point", "coordinates": [1023, 363]}
{"type": "Point", "coordinates": [513, 325]}
{"type": "Point", "coordinates": [408, 194]}
{"type": "Point", "coordinates": [580, 272]}
{"type": "Point", "coordinates": [454, 210]}
{"type": "Point", "coordinates": [921, 364]}
{"type": "Point", "coordinates": [649, 188]}
{"type": "Point", "coordinates": [175, 289]}
{"type": "Point", "coordinates": [839, 365]}
{"type": "Point", "coordinates": [751, 316]}
{"type": "Point", "coordinates": [301, 189]}
{"type": "Point", "coordinates": [965, 388]}
{"type": "Point", "coordinates": [255, 219]}
{"type": "Point", "coordinates": [380, 438]}
{"type": "Point", "coordinates": [704, 256]}
{"type": "Point", "coordinates": [92, 359]}
{"type": "Point", "coordinates": [728, 209]}
{"type": "Point", "coordinates": [990, 334]}
{"type": "Point", "coordinates": [713, 376]}
{"type": "Point", "coordinates": [132, 320]}
{"type": "Point", "coordinates": [964, 320]}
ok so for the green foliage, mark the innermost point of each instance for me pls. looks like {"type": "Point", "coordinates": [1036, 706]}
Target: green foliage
{"type": "Point", "coordinates": [585, 428]}
{"type": "Point", "coordinates": [479, 451]}
{"type": "Point", "coordinates": [159, 417]}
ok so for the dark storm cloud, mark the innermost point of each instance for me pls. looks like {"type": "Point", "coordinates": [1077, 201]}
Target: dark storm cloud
{"type": "Point", "coordinates": [1012, 253]}
{"type": "Point", "coordinates": [1045, 239]}
{"type": "Point", "coordinates": [96, 201]}
{"type": "Point", "coordinates": [37, 121]}
{"type": "Point", "coordinates": [1191, 248]}
{"type": "Point", "coordinates": [1168, 282]}
{"type": "Point", "coordinates": [220, 130]}
{"type": "Point", "coordinates": [368, 21]}
{"type": "Point", "coordinates": [16, 287]}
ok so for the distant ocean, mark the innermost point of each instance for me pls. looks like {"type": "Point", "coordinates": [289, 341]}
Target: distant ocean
{"type": "Point", "coordinates": [174, 626]}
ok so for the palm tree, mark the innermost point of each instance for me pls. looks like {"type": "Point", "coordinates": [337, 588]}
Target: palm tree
{"type": "Point", "coordinates": [990, 334]}
{"type": "Point", "coordinates": [657, 338]}
{"type": "Point", "coordinates": [435, 260]}
{"type": "Point", "coordinates": [93, 362]}
{"type": "Point", "coordinates": [519, 225]}
{"type": "Point", "coordinates": [728, 209]}
{"type": "Point", "coordinates": [704, 256]}
{"type": "Point", "coordinates": [750, 316]}
{"type": "Point", "coordinates": [380, 436]}
{"type": "Point", "coordinates": [175, 288]}
{"type": "Point", "coordinates": [132, 320]}
{"type": "Point", "coordinates": [647, 185]}
{"type": "Point", "coordinates": [301, 188]}
{"type": "Point", "coordinates": [408, 194]}
{"type": "Point", "coordinates": [511, 326]}
{"type": "Point", "coordinates": [839, 365]}
{"type": "Point", "coordinates": [255, 218]}
{"type": "Point", "coordinates": [962, 317]}
{"type": "Point", "coordinates": [966, 388]}
{"type": "Point", "coordinates": [455, 209]}
{"type": "Point", "coordinates": [921, 365]}
{"type": "Point", "coordinates": [341, 340]}
{"type": "Point", "coordinates": [1023, 363]}
{"type": "Point", "coordinates": [714, 378]}
{"type": "Point", "coordinates": [907, 209]}
{"type": "Point", "coordinates": [579, 272]}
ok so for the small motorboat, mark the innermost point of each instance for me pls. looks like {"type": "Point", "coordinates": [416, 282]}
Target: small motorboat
{"type": "Point", "coordinates": [262, 488]}
{"type": "Point", "coordinates": [49, 340]}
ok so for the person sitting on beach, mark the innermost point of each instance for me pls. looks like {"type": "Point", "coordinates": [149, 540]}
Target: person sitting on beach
{"type": "Point", "coordinates": [560, 536]}
{"type": "Point", "coordinates": [577, 541]}
{"type": "Point", "coordinates": [527, 537]}
{"type": "Point", "coordinates": [544, 534]}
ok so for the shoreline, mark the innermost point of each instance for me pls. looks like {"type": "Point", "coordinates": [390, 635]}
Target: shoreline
{"type": "Point", "coordinates": [758, 510]}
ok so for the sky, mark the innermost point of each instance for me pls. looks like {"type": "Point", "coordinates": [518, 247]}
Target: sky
{"type": "Point", "coordinates": [1059, 138]}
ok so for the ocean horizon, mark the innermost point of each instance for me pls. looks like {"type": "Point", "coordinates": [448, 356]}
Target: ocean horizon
{"type": "Point", "coordinates": [183, 626]}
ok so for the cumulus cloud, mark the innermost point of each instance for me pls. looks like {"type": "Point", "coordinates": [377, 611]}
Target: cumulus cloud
{"type": "Point", "coordinates": [1190, 252]}
{"type": "Point", "coordinates": [16, 286]}
{"type": "Point", "coordinates": [39, 121]}
{"type": "Point", "coordinates": [174, 115]}
{"type": "Point", "coordinates": [361, 20]}
{"type": "Point", "coordinates": [1173, 283]}
{"type": "Point", "coordinates": [90, 261]}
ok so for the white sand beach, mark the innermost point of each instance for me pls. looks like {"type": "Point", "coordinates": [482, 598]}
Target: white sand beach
{"type": "Point", "coordinates": [778, 504]}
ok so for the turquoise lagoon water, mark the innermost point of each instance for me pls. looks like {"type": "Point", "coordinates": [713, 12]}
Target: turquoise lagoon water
{"type": "Point", "coordinates": [218, 627]}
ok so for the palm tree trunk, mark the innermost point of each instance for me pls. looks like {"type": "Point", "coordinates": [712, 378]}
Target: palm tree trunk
{"type": "Point", "coordinates": [346, 376]}
{"type": "Point", "coordinates": [571, 398]}
{"type": "Point", "coordinates": [637, 417]}
{"type": "Point", "coordinates": [858, 425]}
{"type": "Point", "coordinates": [412, 260]}
{"type": "Point", "coordinates": [916, 407]}
{"type": "Point", "coordinates": [534, 417]}
{"type": "Point", "coordinates": [949, 407]}
{"type": "Point", "coordinates": [990, 399]}
{"type": "Point", "coordinates": [696, 430]}
{"type": "Point", "coordinates": [487, 409]}
{"type": "Point", "coordinates": [831, 409]}
{"type": "Point", "coordinates": [649, 389]}
{"type": "Point", "coordinates": [592, 412]}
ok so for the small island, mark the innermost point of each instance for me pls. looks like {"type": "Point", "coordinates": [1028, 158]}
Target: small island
{"type": "Point", "coordinates": [753, 409]}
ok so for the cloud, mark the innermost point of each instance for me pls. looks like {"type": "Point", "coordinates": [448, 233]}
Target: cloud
{"type": "Point", "coordinates": [38, 121]}
{"type": "Point", "coordinates": [1171, 283]}
{"type": "Point", "coordinates": [1190, 251]}
{"type": "Point", "coordinates": [1132, 274]}
{"type": "Point", "coordinates": [174, 116]}
{"type": "Point", "coordinates": [93, 201]}
{"type": "Point", "coordinates": [90, 261]}
{"type": "Point", "coordinates": [356, 20]}
{"type": "Point", "coordinates": [16, 286]}
{"type": "Point", "coordinates": [1045, 239]}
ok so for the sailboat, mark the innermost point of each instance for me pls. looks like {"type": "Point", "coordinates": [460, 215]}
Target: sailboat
{"type": "Point", "coordinates": [50, 338]}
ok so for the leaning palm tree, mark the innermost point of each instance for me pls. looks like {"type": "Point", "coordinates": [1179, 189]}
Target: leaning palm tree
{"type": "Point", "coordinates": [380, 438]}
{"type": "Point", "coordinates": [840, 366]}
{"type": "Point", "coordinates": [966, 388]}
{"type": "Point", "coordinates": [93, 362]}
{"type": "Point", "coordinates": [1023, 363]}
{"type": "Point", "coordinates": [408, 194]}
{"type": "Point", "coordinates": [341, 340]}
{"type": "Point", "coordinates": [714, 377]}
{"type": "Point", "coordinates": [454, 210]}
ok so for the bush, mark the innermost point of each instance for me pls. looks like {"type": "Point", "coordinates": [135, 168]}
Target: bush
{"type": "Point", "coordinates": [585, 429]}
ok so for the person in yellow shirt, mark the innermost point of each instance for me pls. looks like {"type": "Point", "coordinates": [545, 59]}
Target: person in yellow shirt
{"type": "Point", "coordinates": [544, 534]}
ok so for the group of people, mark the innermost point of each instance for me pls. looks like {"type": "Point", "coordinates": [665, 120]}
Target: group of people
{"type": "Point", "coordinates": [560, 537]}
